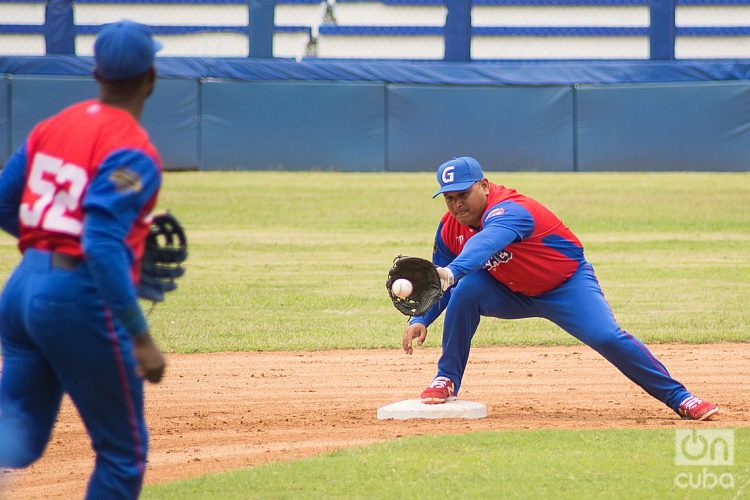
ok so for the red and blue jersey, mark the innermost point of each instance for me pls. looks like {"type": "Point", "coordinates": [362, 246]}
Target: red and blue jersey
{"type": "Point", "coordinates": [520, 243]}
{"type": "Point", "coordinates": [65, 153]}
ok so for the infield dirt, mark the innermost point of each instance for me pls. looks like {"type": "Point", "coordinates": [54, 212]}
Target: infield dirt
{"type": "Point", "coordinates": [215, 412]}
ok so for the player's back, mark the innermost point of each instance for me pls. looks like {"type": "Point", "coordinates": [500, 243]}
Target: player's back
{"type": "Point", "coordinates": [63, 154]}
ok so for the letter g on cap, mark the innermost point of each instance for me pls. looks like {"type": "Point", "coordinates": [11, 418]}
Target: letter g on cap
{"type": "Point", "coordinates": [448, 175]}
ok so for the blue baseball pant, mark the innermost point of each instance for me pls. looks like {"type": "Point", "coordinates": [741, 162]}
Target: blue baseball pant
{"type": "Point", "coordinates": [58, 337]}
{"type": "Point", "coordinates": [578, 306]}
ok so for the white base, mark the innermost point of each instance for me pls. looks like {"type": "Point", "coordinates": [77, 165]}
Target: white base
{"type": "Point", "coordinates": [415, 408]}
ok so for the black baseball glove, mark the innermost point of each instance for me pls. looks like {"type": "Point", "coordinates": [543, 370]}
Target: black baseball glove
{"type": "Point", "coordinates": [165, 252]}
{"type": "Point", "coordinates": [425, 282]}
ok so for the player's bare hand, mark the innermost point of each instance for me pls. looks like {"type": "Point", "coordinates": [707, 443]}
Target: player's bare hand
{"type": "Point", "coordinates": [416, 331]}
{"type": "Point", "coordinates": [151, 361]}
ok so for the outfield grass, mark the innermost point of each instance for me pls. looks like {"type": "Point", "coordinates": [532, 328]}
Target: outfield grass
{"type": "Point", "coordinates": [286, 261]}
{"type": "Point", "coordinates": [611, 463]}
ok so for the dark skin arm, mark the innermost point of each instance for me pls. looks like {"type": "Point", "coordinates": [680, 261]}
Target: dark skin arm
{"type": "Point", "coordinates": [130, 95]}
{"type": "Point", "coordinates": [151, 361]}
{"type": "Point", "coordinates": [416, 331]}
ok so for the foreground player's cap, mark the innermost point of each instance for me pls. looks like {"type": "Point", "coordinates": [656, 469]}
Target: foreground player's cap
{"type": "Point", "coordinates": [124, 49]}
{"type": "Point", "coordinates": [458, 174]}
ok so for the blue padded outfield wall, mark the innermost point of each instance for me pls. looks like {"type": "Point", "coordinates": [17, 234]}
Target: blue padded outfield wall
{"type": "Point", "coordinates": [171, 116]}
{"type": "Point", "coordinates": [293, 125]}
{"type": "Point", "coordinates": [402, 116]}
{"type": "Point", "coordinates": [699, 126]}
{"type": "Point", "coordinates": [506, 128]}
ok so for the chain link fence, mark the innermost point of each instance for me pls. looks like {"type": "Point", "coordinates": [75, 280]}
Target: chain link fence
{"type": "Point", "coordinates": [21, 28]}
{"type": "Point", "coordinates": [208, 28]}
{"type": "Point", "coordinates": [363, 29]}
{"type": "Point", "coordinates": [399, 29]}
{"type": "Point", "coordinates": [712, 31]}
{"type": "Point", "coordinates": [519, 31]}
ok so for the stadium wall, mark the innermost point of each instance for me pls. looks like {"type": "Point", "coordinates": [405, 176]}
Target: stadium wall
{"type": "Point", "coordinates": [402, 116]}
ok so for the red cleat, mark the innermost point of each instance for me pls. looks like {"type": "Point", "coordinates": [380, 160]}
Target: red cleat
{"type": "Point", "coordinates": [438, 391]}
{"type": "Point", "coordinates": [694, 408]}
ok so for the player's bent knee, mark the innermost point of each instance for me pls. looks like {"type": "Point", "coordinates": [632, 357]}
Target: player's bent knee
{"type": "Point", "coordinates": [17, 448]}
{"type": "Point", "coordinates": [17, 457]}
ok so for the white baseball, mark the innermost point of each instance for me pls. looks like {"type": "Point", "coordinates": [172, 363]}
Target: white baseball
{"type": "Point", "coordinates": [402, 288]}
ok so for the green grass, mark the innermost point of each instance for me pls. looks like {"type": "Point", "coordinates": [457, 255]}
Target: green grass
{"type": "Point", "coordinates": [297, 261]}
{"type": "Point", "coordinates": [532, 464]}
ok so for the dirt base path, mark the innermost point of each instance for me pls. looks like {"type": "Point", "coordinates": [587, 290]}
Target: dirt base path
{"type": "Point", "coordinates": [224, 411]}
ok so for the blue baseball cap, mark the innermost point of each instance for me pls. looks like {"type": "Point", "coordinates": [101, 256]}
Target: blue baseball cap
{"type": "Point", "coordinates": [458, 174]}
{"type": "Point", "coordinates": [124, 49]}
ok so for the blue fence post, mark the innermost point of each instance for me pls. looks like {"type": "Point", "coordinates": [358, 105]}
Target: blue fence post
{"type": "Point", "coordinates": [661, 33]}
{"type": "Point", "coordinates": [59, 27]}
{"type": "Point", "coordinates": [458, 30]}
{"type": "Point", "coordinates": [260, 28]}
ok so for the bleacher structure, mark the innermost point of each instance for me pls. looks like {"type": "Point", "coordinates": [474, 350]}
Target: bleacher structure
{"type": "Point", "coordinates": [400, 29]}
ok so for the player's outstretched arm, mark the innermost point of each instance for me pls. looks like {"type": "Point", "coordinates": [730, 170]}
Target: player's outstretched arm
{"type": "Point", "coordinates": [151, 361]}
{"type": "Point", "coordinates": [416, 331]}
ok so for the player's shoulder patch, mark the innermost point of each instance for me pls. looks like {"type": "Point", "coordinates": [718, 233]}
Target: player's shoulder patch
{"type": "Point", "coordinates": [507, 208]}
{"type": "Point", "coordinates": [495, 212]}
{"type": "Point", "coordinates": [126, 180]}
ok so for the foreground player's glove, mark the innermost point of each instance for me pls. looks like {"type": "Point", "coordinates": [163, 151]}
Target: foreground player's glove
{"type": "Point", "coordinates": [166, 250]}
{"type": "Point", "coordinates": [425, 283]}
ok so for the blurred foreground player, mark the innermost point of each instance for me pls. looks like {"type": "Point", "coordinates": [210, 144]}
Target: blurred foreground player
{"type": "Point", "coordinates": [502, 254]}
{"type": "Point", "coordinates": [78, 194]}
